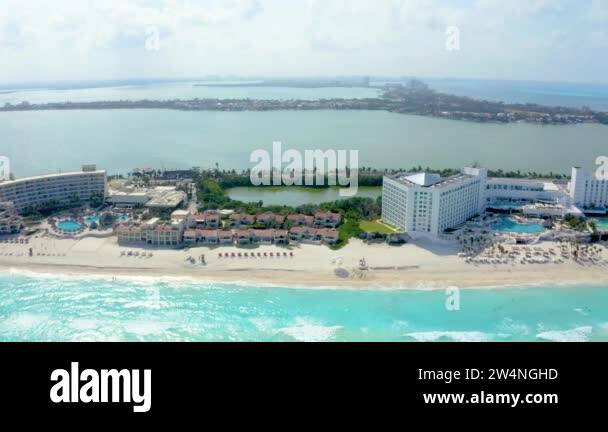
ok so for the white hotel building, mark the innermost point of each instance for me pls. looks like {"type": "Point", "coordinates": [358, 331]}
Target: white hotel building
{"type": "Point", "coordinates": [588, 192]}
{"type": "Point", "coordinates": [60, 188]}
{"type": "Point", "coordinates": [426, 204]}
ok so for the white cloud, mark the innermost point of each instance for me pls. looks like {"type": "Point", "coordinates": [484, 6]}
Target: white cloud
{"type": "Point", "coordinates": [88, 39]}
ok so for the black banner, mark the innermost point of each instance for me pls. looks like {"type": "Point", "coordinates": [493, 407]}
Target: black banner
{"type": "Point", "coordinates": [191, 380]}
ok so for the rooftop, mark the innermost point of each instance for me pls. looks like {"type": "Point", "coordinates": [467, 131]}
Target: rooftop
{"type": "Point", "coordinates": [429, 180]}
{"type": "Point", "coordinates": [424, 179]}
{"type": "Point", "coordinates": [50, 176]}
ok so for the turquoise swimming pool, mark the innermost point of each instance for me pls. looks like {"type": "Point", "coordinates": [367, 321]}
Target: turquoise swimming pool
{"type": "Point", "coordinates": [602, 223]}
{"type": "Point", "coordinates": [68, 225]}
{"type": "Point", "coordinates": [511, 225]}
{"type": "Point", "coordinates": [90, 220]}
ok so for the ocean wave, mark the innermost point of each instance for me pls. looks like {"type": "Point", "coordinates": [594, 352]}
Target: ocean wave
{"type": "Point", "coordinates": [464, 336]}
{"type": "Point", "coordinates": [25, 321]}
{"type": "Point", "coordinates": [579, 334]}
{"type": "Point", "coordinates": [146, 328]}
{"type": "Point", "coordinates": [513, 328]}
{"type": "Point", "coordinates": [307, 330]}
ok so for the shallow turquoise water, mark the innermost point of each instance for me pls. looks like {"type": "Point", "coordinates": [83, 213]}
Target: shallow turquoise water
{"type": "Point", "coordinates": [54, 308]}
{"type": "Point", "coordinates": [510, 225]}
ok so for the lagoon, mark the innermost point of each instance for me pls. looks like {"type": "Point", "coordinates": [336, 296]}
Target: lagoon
{"type": "Point", "coordinates": [45, 142]}
{"type": "Point", "coordinates": [295, 196]}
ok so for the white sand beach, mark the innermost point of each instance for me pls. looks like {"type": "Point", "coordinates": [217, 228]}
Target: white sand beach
{"type": "Point", "coordinates": [411, 266]}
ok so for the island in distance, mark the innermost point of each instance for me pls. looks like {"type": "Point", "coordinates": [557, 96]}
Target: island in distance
{"type": "Point", "coordinates": [414, 98]}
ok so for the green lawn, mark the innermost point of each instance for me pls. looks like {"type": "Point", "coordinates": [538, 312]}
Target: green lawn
{"type": "Point", "coordinates": [373, 226]}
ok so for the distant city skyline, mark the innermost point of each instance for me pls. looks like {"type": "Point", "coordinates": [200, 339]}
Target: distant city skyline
{"type": "Point", "coordinates": [532, 40]}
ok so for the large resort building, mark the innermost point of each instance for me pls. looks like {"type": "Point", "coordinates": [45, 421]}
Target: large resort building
{"type": "Point", "coordinates": [427, 204]}
{"type": "Point", "coordinates": [588, 192]}
{"type": "Point", "coordinates": [60, 189]}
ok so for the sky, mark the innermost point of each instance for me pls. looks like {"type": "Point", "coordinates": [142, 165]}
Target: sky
{"type": "Point", "coordinates": [546, 40]}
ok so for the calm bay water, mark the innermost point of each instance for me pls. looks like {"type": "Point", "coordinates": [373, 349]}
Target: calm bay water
{"type": "Point", "coordinates": [51, 308]}
{"type": "Point", "coordinates": [296, 196]}
{"type": "Point", "coordinates": [45, 142]}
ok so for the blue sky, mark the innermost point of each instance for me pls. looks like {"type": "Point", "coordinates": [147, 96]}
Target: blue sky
{"type": "Point", "coordinates": [555, 40]}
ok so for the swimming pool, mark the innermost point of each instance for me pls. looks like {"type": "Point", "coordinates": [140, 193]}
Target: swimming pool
{"type": "Point", "coordinates": [69, 225]}
{"type": "Point", "coordinates": [90, 220]}
{"type": "Point", "coordinates": [602, 223]}
{"type": "Point", "coordinates": [512, 226]}
{"type": "Point", "coordinates": [95, 219]}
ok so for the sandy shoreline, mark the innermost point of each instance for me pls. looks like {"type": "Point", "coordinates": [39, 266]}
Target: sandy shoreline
{"type": "Point", "coordinates": [412, 266]}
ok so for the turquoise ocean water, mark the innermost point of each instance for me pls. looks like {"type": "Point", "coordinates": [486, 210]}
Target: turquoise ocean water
{"type": "Point", "coordinates": [51, 308]}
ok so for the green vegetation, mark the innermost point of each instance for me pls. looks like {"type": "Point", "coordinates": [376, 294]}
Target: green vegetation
{"type": "Point", "coordinates": [575, 223]}
{"type": "Point", "coordinates": [349, 229]}
{"type": "Point", "coordinates": [375, 227]}
{"type": "Point", "coordinates": [212, 195]}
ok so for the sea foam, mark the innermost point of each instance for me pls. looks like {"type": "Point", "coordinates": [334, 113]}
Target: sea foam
{"type": "Point", "coordinates": [579, 334]}
{"type": "Point", "coordinates": [465, 336]}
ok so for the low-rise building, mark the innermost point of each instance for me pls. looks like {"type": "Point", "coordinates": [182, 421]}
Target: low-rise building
{"type": "Point", "coordinates": [240, 220]}
{"type": "Point", "coordinates": [129, 233]}
{"type": "Point", "coordinates": [244, 236]}
{"type": "Point", "coordinates": [208, 219]}
{"type": "Point", "coordinates": [225, 237]}
{"type": "Point", "coordinates": [270, 220]}
{"type": "Point", "coordinates": [208, 237]}
{"type": "Point", "coordinates": [281, 237]}
{"type": "Point", "coordinates": [327, 219]}
{"type": "Point", "coordinates": [540, 210]}
{"type": "Point", "coordinates": [263, 236]}
{"type": "Point", "coordinates": [313, 235]}
{"type": "Point", "coordinates": [165, 199]}
{"type": "Point", "coordinates": [300, 220]}
{"type": "Point", "coordinates": [127, 199]}
{"type": "Point", "coordinates": [157, 233]}
{"type": "Point", "coordinates": [190, 237]}
{"type": "Point", "coordinates": [510, 193]}
{"type": "Point", "coordinates": [329, 235]}
{"type": "Point", "coordinates": [152, 232]}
